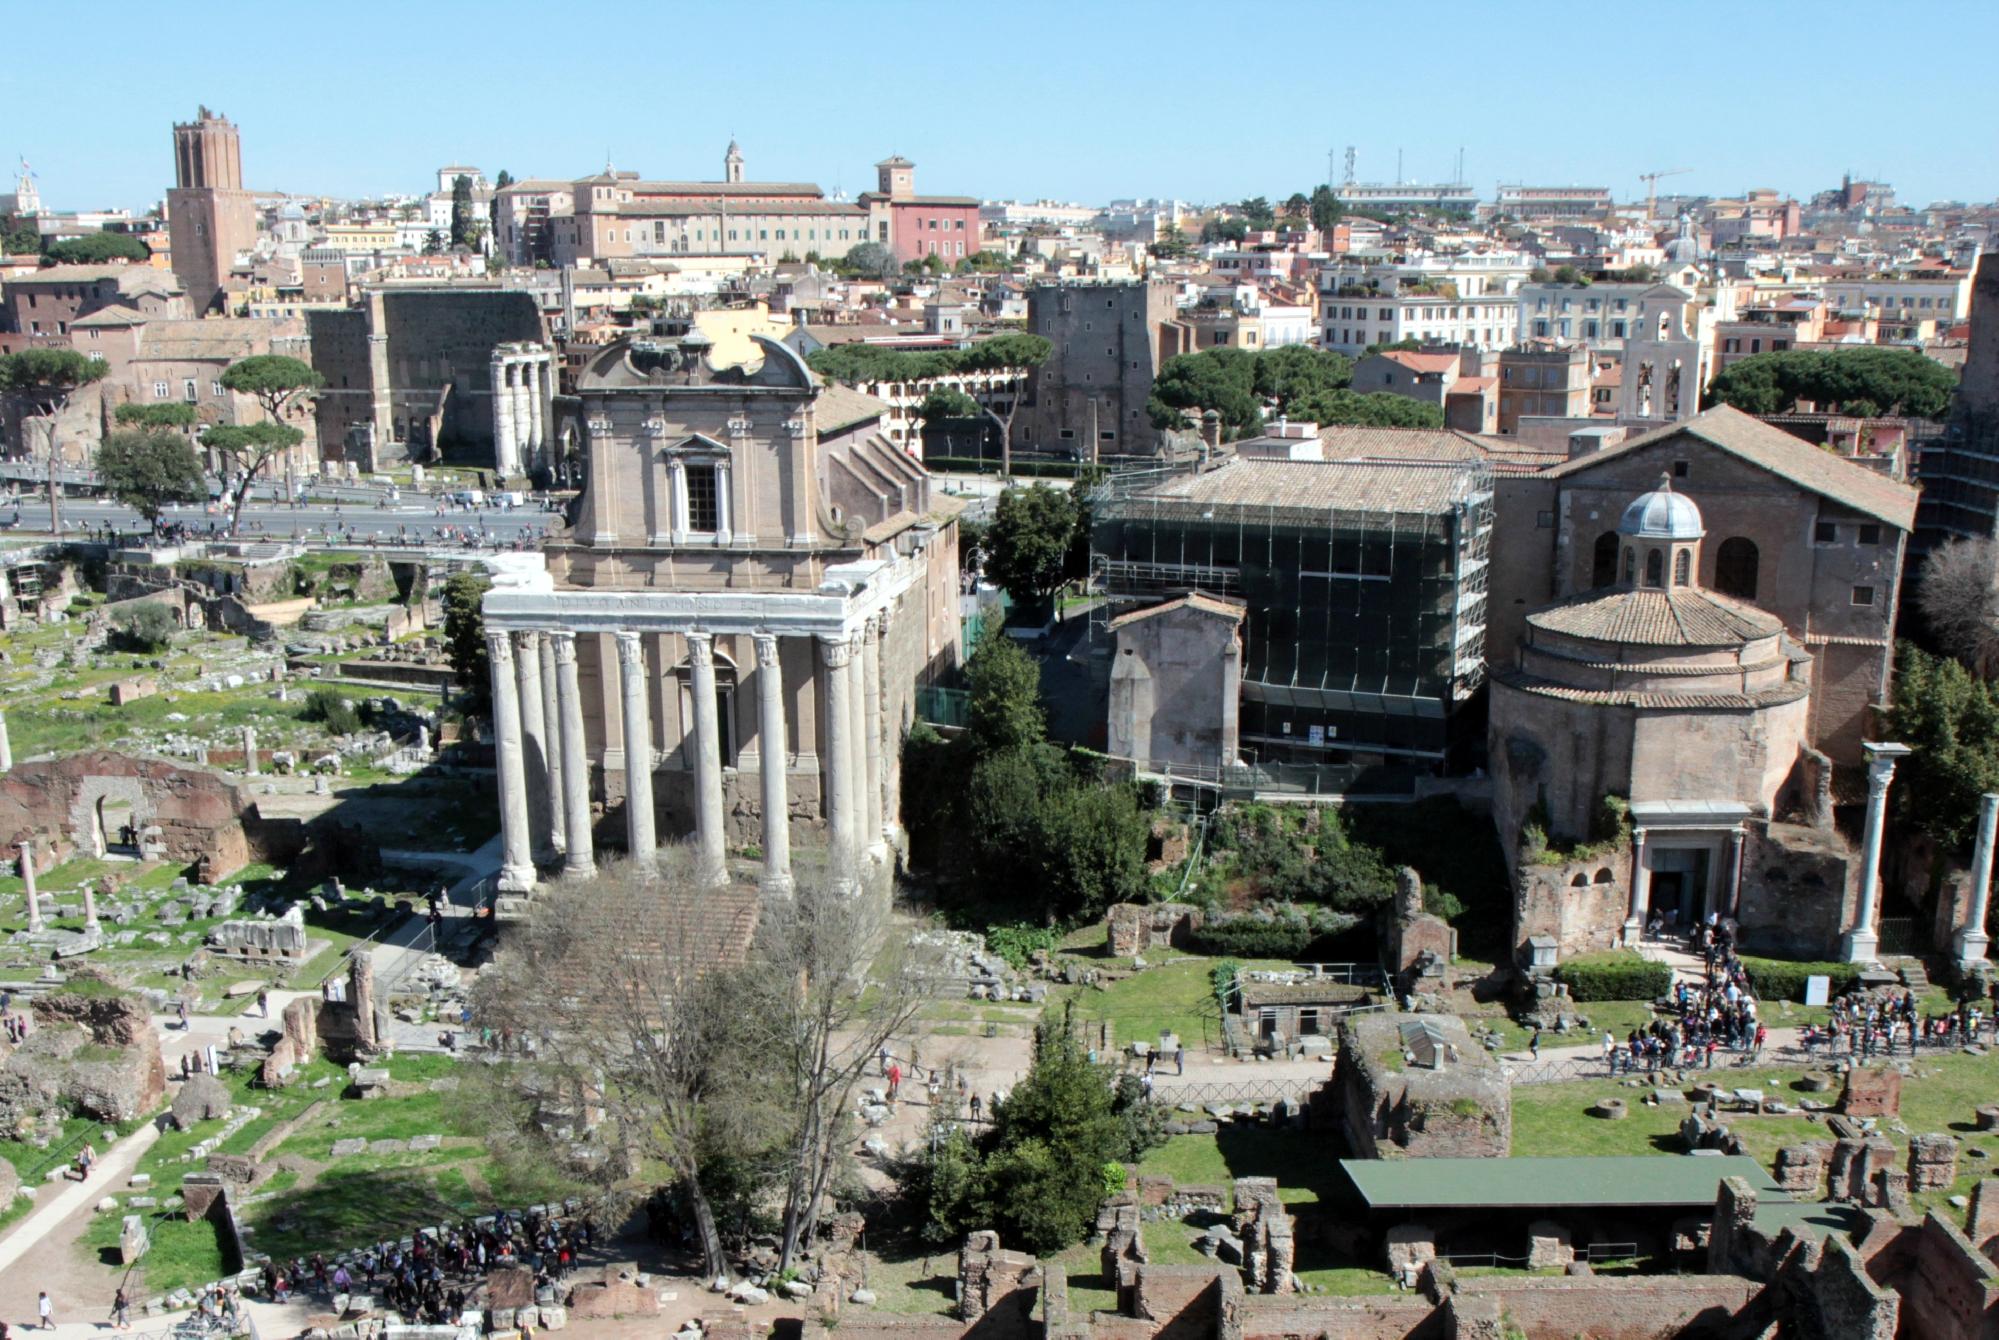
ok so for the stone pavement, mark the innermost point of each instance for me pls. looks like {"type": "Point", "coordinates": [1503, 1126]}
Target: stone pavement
{"type": "Point", "coordinates": [57, 1201]}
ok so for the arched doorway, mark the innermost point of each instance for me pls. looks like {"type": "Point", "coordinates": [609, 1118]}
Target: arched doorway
{"type": "Point", "coordinates": [1603, 561]}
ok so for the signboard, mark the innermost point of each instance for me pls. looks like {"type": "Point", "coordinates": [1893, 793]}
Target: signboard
{"type": "Point", "coordinates": [1818, 990]}
{"type": "Point", "coordinates": [1315, 735]}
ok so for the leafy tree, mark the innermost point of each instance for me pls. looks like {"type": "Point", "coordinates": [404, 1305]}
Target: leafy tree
{"type": "Point", "coordinates": [332, 709]}
{"type": "Point", "coordinates": [99, 249]}
{"type": "Point", "coordinates": [1950, 718]}
{"type": "Point", "coordinates": [1327, 210]}
{"type": "Point", "coordinates": [1223, 380]}
{"type": "Point", "coordinates": [1296, 372]}
{"type": "Point", "coordinates": [1377, 409]}
{"type": "Point", "coordinates": [433, 243]}
{"type": "Point", "coordinates": [245, 449]}
{"type": "Point", "coordinates": [1637, 274]}
{"type": "Point", "coordinates": [1004, 697]}
{"type": "Point", "coordinates": [1569, 274]}
{"type": "Point", "coordinates": [500, 183]}
{"type": "Point", "coordinates": [44, 379]}
{"type": "Point", "coordinates": [1864, 381]}
{"type": "Point", "coordinates": [147, 627]}
{"type": "Point", "coordinates": [148, 468]}
{"type": "Point", "coordinates": [1172, 244]}
{"type": "Point", "coordinates": [971, 543]}
{"type": "Point", "coordinates": [465, 639]}
{"type": "Point", "coordinates": [1016, 353]}
{"type": "Point", "coordinates": [19, 236]}
{"type": "Point", "coordinates": [945, 403]}
{"type": "Point", "coordinates": [1224, 230]}
{"type": "Point", "coordinates": [871, 260]}
{"type": "Point", "coordinates": [1959, 600]}
{"type": "Point", "coordinates": [1410, 343]}
{"type": "Point", "coordinates": [1298, 206]}
{"type": "Point", "coordinates": [156, 414]}
{"type": "Point", "coordinates": [277, 383]}
{"type": "Point", "coordinates": [1028, 542]}
{"type": "Point", "coordinates": [1258, 213]}
{"type": "Point", "coordinates": [462, 210]}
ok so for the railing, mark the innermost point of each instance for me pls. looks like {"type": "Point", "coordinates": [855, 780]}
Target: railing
{"type": "Point", "coordinates": [56, 1156]}
{"type": "Point", "coordinates": [1208, 1093]}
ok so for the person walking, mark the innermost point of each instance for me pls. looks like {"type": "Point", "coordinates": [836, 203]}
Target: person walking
{"type": "Point", "coordinates": [121, 1310]}
{"type": "Point", "coordinates": [1534, 1045]}
{"type": "Point", "coordinates": [1179, 1060]}
{"type": "Point", "coordinates": [46, 1311]}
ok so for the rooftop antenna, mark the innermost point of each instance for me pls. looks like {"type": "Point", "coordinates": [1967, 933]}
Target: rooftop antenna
{"type": "Point", "coordinates": [1350, 164]}
{"type": "Point", "coordinates": [1398, 167]}
{"type": "Point", "coordinates": [1459, 180]}
{"type": "Point", "coordinates": [1329, 166]}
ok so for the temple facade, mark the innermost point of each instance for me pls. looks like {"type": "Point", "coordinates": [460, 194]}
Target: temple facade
{"type": "Point", "coordinates": [729, 643]}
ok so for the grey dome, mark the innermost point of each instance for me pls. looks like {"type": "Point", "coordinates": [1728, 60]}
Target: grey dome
{"type": "Point", "coordinates": [1662, 515]}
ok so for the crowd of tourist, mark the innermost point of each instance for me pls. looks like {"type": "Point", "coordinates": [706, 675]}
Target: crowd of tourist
{"type": "Point", "coordinates": [431, 1280]}
{"type": "Point", "coordinates": [1872, 1023]}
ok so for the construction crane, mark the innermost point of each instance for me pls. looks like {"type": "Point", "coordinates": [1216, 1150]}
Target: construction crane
{"type": "Point", "coordinates": [1651, 180]}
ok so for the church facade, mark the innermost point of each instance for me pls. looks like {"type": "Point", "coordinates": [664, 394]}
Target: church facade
{"type": "Point", "coordinates": [729, 642]}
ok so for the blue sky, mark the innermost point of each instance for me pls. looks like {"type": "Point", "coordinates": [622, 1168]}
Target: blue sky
{"type": "Point", "coordinates": [1084, 100]}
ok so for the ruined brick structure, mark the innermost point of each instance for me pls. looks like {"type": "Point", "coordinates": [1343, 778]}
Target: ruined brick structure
{"type": "Point", "coordinates": [92, 802]}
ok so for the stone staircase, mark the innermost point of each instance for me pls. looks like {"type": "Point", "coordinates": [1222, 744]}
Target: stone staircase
{"type": "Point", "coordinates": [1912, 972]}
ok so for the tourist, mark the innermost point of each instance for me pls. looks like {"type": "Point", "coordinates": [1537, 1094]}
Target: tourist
{"type": "Point", "coordinates": [180, 1009]}
{"type": "Point", "coordinates": [894, 1079]}
{"type": "Point", "coordinates": [1534, 1045]}
{"type": "Point", "coordinates": [264, 1003]}
{"type": "Point", "coordinates": [1179, 1059]}
{"type": "Point", "coordinates": [121, 1311]}
{"type": "Point", "coordinates": [47, 1311]}
{"type": "Point", "coordinates": [975, 1107]}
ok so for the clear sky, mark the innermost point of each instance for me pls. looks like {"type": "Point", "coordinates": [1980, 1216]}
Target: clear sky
{"type": "Point", "coordinates": [1084, 100]}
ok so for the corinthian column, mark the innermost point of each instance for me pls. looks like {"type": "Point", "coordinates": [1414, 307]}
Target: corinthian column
{"type": "Point", "coordinates": [871, 716]}
{"type": "Point", "coordinates": [835, 708]}
{"type": "Point", "coordinates": [551, 719]}
{"type": "Point", "coordinates": [1863, 942]}
{"type": "Point", "coordinates": [771, 756]}
{"type": "Point", "coordinates": [516, 862]}
{"type": "Point", "coordinates": [506, 449]}
{"type": "Point", "coordinates": [638, 749]}
{"type": "Point", "coordinates": [578, 860]}
{"type": "Point", "coordinates": [866, 840]}
{"type": "Point", "coordinates": [534, 741]}
{"type": "Point", "coordinates": [1972, 941]}
{"type": "Point", "coordinates": [707, 761]}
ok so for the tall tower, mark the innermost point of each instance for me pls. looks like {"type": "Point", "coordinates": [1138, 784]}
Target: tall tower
{"type": "Point", "coordinates": [896, 177]}
{"type": "Point", "coordinates": [210, 217]}
{"type": "Point", "coordinates": [732, 163]}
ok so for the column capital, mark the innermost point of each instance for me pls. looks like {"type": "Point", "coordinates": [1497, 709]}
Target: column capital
{"type": "Point", "coordinates": [527, 641]}
{"type": "Point", "coordinates": [631, 652]}
{"type": "Point", "coordinates": [837, 648]}
{"type": "Point", "coordinates": [700, 648]}
{"type": "Point", "coordinates": [565, 646]}
{"type": "Point", "coordinates": [1638, 836]}
{"type": "Point", "coordinates": [500, 645]}
{"type": "Point", "coordinates": [766, 645]}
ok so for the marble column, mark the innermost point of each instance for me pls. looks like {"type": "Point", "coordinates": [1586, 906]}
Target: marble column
{"type": "Point", "coordinates": [676, 502]}
{"type": "Point", "coordinates": [534, 743]}
{"type": "Point", "coordinates": [249, 751]}
{"type": "Point", "coordinates": [1971, 939]}
{"type": "Point", "coordinates": [639, 836]}
{"type": "Point", "coordinates": [538, 402]}
{"type": "Point", "coordinates": [708, 841]}
{"type": "Point", "coordinates": [865, 841]}
{"type": "Point", "coordinates": [6, 746]}
{"type": "Point", "coordinates": [835, 652]}
{"type": "Point", "coordinates": [28, 879]}
{"type": "Point", "coordinates": [90, 922]}
{"type": "Point", "coordinates": [871, 716]}
{"type": "Point", "coordinates": [1863, 942]}
{"type": "Point", "coordinates": [1735, 839]}
{"type": "Point", "coordinates": [1641, 891]}
{"type": "Point", "coordinates": [522, 393]}
{"type": "Point", "coordinates": [506, 451]}
{"type": "Point", "coordinates": [578, 860]}
{"type": "Point", "coordinates": [516, 861]}
{"type": "Point", "coordinates": [772, 757]}
{"type": "Point", "coordinates": [724, 523]}
{"type": "Point", "coordinates": [555, 797]}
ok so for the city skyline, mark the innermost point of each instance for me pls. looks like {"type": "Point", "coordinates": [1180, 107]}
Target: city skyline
{"type": "Point", "coordinates": [1067, 122]}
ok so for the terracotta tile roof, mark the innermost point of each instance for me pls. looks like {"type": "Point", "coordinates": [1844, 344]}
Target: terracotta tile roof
{"type": "Point", "coordinates": [1776, 695]}
{"type": "Point", "coordinates": [840, 408]}
{"type": "Point", "coordinates": [1809, 467]}
{"type": "Point", "coordinates": [1206, 604]}
{"type": "Point", "coordinates": [1416, 362]}
{"type": "Point", "coordinates": [1418, 487]}
{"type": "Point", "coordinates": [1649, 617]}
{"type": "Point", "coordinates": [1351, 442]}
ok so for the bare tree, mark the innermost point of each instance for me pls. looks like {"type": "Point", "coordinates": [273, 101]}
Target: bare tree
{"type": "Point", "coordinates": [829, 982]}
{"type": "Point", "coordinates": [1959, 599]}
{"type": "Point", "coordinates": [616, 1000]}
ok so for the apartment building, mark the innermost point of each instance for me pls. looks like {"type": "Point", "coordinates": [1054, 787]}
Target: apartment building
{"type": "Point", "coordinates": [1463, 300]}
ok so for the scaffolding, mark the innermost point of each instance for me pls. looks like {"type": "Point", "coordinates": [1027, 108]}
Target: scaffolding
{"type": "Point", "coordinates": [1365, 586]}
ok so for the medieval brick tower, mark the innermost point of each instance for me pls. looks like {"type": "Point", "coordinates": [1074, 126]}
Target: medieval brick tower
{"type": "Point", "coordinates": [210, 216]}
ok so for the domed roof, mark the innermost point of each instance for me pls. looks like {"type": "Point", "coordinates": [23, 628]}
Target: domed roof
{"type": "Point", "coordinates": [290, 210]}
{"type": "Point", "coordinates": [1662, 515]}
{"type": "Point", "coordinates": [1683, 251]}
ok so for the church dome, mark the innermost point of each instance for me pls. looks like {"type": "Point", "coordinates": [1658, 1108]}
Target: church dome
{"type": "Point", "coordinates": [1662, 515]}
{"type": "Point", "coordinates": [1683, 251]}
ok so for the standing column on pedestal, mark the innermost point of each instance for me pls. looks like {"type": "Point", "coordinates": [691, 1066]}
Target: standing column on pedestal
{"type": "Point", "coordinates": [537, 370]}
{"type": "Point", "coordinates": [1641, 891]}
{"type": "Point", "coordinates": [6, 746]}
{"type": "Point", "coordinates": [578, 860]}
{"type": "Point", "coordinates": [90, 922]}
{"type": "Point", "coordinates": [516, 860]}
{"type": "Point", "coordinates": [836, 652]}
{"type": "Point", "coordinates": [772, 756]}
{"type": "Point", "coordinates": [551, 717]}
{"type": "Point", "coordinates": [1863, 943]}
{"type": "Point", "coordinates": [1735, 873]}
{"type": "Point", "coordinates": [871, 716]}
{"type": "Point", "coordinates": [639, 836]}
{"type": "Point", "coordinates": [707, 760]}
{"type": "Point", "coordinates": [1972, 940]}
{"type": "Point", "coordinates": [250, 751]}
{"type": "Point", "coordinates": [28, 880]}
{"type": "Point", "coordinates": [865, 842]}
{"type": "Point", "coordinates": [505, 449]}
{"type": "Point", "coordinates": [534, 743]}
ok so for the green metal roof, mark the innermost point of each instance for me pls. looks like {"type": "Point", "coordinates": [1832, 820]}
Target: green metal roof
{"type": "Point", "coordinates": [1661, 1180]}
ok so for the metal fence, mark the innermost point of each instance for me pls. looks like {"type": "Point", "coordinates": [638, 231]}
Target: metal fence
{"type": "Point", "coordinates": [1232, 1094]}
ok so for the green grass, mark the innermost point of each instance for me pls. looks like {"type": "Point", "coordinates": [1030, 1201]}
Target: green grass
{"type": "Point", "coordinates": [182, 1255]}
{"type": "Point", "coordinates": [1175, 997]}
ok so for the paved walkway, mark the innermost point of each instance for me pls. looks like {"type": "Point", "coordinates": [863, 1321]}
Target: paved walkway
{"type": "Point", "coordinates": [57, 1201]}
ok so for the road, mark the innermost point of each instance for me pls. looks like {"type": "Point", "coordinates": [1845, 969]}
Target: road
{"type": "Point", "coordinates": [313, 522]}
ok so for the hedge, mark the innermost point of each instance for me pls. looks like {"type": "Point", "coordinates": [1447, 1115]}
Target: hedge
{"type": "Point", "coordinates": [1782, 979]}
{"type": "Point", "coordinates": [1247, 937]}
{"type": "Point", "coordinates": [1619, 974]}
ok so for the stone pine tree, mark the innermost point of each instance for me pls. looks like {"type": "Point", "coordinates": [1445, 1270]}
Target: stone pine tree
{"type": "Point", "coordinates": [1019, 354]}
{"type": "Point", "coordinates": [44, 380]}
{"type": "Point", "coordinates": [279, 384]}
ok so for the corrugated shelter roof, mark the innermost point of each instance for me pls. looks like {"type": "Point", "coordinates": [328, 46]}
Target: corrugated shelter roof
{"type": "Point", "coordinates": [1420, 488]}
{"type": "Point", "coordinates": [1750, 439]}
{"type": "Point", "coordinates": [1685, 616]}
{"type": "Point", "coordinates": [1658, 1180]}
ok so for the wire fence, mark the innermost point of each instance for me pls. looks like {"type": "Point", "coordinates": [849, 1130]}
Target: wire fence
{"type": "Point", "coordinates": [1234, 1094]}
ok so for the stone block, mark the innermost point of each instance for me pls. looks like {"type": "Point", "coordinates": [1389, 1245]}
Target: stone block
{"type": "Point", "coordinates": [1548, 1245]}
{"type": "Point", "coordinates": [1410, 1247]}
{"type": "Point", "coordinates": [348, 1148]}
{"type": "Point", "coordinates": [1871, 1092]}
{"type": "Point", "coordinates": [1932, 1162]}
{"type": "Point", "coordinates": [133, 1239]}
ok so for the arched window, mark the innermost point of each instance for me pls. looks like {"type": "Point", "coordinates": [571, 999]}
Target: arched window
{"type": "Point", "coordinates": [1630, 565]}
{"type": "Point", "coordinates": [1682, 564]}
{"type": "Point", "coordinates": [1655, 567]}
{"type": "Point", "coordinates": [1735, 568]}
{"type": "Point", "coordinates": [1603, 561]}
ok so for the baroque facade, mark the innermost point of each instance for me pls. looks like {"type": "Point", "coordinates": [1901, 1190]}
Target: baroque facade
{"type": "Point", "coordinates": [729, 642]}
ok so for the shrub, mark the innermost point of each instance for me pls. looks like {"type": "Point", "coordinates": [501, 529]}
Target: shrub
{"type": "Point", "coordinates": [1619, 974]}
{"type": "Point", "coordinates": [1780, 979]}
{"type": "Point", "coordinates": [147, 627]}
{"type": "Point", "coordinates": [1017, 943]}
{"type": "Point", "coordinates": [1247, 937]}
{"type": "Point", "coordinates": [332, 708]}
